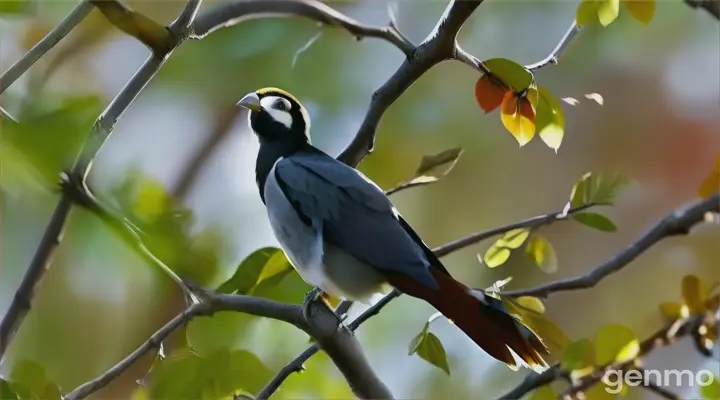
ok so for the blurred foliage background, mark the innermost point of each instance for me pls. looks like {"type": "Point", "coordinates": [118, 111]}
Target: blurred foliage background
{"type": "Point", "coordinates": [101, 299]}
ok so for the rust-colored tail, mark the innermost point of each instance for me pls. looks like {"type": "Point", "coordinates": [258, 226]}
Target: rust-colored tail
{"type": "Point", "coordinates": [481, 317]}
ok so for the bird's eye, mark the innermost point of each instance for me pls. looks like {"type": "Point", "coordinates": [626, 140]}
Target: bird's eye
{"type": "Point", "coordinates": [281, 105]}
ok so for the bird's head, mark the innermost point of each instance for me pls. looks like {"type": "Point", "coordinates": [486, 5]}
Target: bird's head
{"type": "Point", "coordinates": [276, 115]}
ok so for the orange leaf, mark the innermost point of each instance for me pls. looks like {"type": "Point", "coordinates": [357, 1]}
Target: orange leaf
{"type": "Point", "coordinates": [489, 93]}
{"type": "Point", "coordinates": [710, 185]}
{"type": "Point", "coordinates": [518, 117]}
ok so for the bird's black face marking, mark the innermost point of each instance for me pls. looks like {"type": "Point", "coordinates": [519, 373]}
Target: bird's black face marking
{"type": "Point", "coordinates": [276, 115]}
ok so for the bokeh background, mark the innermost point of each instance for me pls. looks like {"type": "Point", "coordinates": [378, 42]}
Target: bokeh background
{"type": "Point", "coordinates": [659, 125]}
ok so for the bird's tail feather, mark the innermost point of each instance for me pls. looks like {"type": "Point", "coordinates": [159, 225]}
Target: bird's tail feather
{"type": "Point", "coordinates": [483, 318]}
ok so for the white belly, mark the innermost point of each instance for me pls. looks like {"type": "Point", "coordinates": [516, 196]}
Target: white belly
{"type": "Point", "coordinates": [318, 262]}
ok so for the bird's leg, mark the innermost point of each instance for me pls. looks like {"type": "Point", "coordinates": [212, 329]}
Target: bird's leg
{"type": "Point", "coordinates": [314, 295]}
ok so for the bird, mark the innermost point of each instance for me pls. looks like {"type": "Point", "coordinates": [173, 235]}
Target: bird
{"type": "Point", "coordinates": [344, 236]}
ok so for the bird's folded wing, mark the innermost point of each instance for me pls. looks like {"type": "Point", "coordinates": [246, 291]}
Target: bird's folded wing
{"type": "Point", "coordinates": [354, 213]}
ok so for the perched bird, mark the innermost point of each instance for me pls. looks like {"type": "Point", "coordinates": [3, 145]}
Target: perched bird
{"type": "Point", "coordinates": [343, 235]}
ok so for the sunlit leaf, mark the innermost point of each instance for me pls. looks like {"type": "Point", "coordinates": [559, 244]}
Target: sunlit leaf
{"type": "Point", "coordinates": [542, 253]}
{"type": "Point", "coordinates": [258, 266]}
{"type": "Point", "coordinates": [152, 200]}
{"type": "Point", "coordinates": [549, 120]}
{"type": "Point", "coordinates": [518, 117]}
{"type": "Point", "coordinates": [578, 355]}
{"type": "Point", "coordinates": [543, 393]}
{"type": "Point", "coordinates": [673, 311]}
{"type": "Point", "coordinates": [695, 293]}
{"type": "Point", "coordinates": [499, 252]}
{"type": "Point", "coordinates": [587, 13]}
{"type": "Point", "coordinates": [608, 11]}
{"type": "Point", "coordinates": [615, 343]}
{"type": "Point", "coordinates": [711, 391]}
{"type": "Point", "coordinates": [489, 93]}
{"type": "Point", "coordinates": [595, 220]}
{"type": "Point", "coordinates": [435, 166]}
{"type": "Point", "coordinates": [710, 185]}
{"type": "Point", "coordinates": [642, 10]}
{"type": "Point", "coordinates": [415, 342]}
{"type": "Point", "coordinates": [598, 188]}
{"type": "Point", "coordinates": [431, 350]}
{"type": "Point", "coordinates": [510, 73]}
{"type": "Point", "coordinates": [531, 303]}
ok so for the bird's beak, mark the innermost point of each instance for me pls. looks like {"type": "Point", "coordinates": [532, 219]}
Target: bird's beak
{"type": "Point", "coordinates": [251, 101]}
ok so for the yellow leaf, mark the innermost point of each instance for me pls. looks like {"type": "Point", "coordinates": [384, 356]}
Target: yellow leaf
{"type": "Point", "coordinates": [695, 292]}
{"type": "Point", "coordinates": [710, 185]}
{"type": "Point", "coordinates": [642, 10]}
{"type": "Point", "coordinates": [586, 13]}
{"type": "Point", "coordinates": [615, 343]}
{"type": "Point", "coordinates": [672, 311]}
{"type": "Point", "coordinates": [608, 11]}
{"type": "Point", "coordinates": [514, 238]}
{"type": "Point", "coordinates": [542, 253]}
{"type": "Point", "coordinates": [496, 256]}
{"type": "Point", "coordinates": [518, 117]}
{"type": "Point", "coordinates": [531, 303]}
{"type": "Point", "coordinates": [550, 120]}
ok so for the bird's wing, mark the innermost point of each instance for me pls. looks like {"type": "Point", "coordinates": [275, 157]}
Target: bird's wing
{"type": "Point", "coordinates": [354, 213]}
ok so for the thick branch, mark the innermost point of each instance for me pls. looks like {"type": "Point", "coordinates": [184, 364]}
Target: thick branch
{"type": "Point", "coordinates": [233, 13]}
{"type": "Point", "coordinates": [43, 46]}
{"type": "Point", "coordinates": [211, 304]}
{"type": "Point", "coordinates": [148, 32]}
{"type": "Point", "coordinates": [678, 222]}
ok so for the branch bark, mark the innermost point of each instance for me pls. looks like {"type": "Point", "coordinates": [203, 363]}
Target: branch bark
{"type": "Point", "coordinates": [679, 222]}
{"type": "Point", "coordinates": [711, 6]}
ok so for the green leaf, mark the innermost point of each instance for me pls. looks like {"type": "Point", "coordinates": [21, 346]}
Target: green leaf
{"type": "Point", "coordinates": [261, 265]}
{"type": "Point", "coordinates": [499, 252]}
{"type": "Point", "coordinates": [695, 292]}
{"type": "Point", "coordinates": [578, 355]}
{"type": "Point", "coordinates": [608, 11]}
{"type": "Point", "coordinates": [6, 391]}
{"type": "Point", "coordinates": [542, 253]}
{"type": "Point", "coordinates": [711, 391]}
{"type": "Point", "coordinates": [587, 13]}
{"type": "Point", "coordinates": [415, 343]}
{"type": "Point", "coordinates": [615, 343]}
{"type": "Point", "coordinates": [8, 7]}
{"type": "Point", "coordinates": [595, 220]}
{"type": "Point", "coordinates": [28, 380]}
{"type": "Point", "coordinates": [180, 375]}
{"type": "Point", "coordinates": [543, 393]}
{"type": "Point", "coordinates": [511, 73]}
{"type": "Point", "coordinates": [598, 188]}
{"type": "Point", "coordinates": [51, 140]}
{"type": "Point", "coordinates": [230, 372]}
{"type": "Point", "coordinates": [434, 166]}
{"type": "Point", "coordinates": [531, 303]}
{"type": "Point", "coordinates": [431, 350]}
{"type": "Point", "coordinates": [549, 119]}
{"type": "Point", "coordinates": [220, 331]}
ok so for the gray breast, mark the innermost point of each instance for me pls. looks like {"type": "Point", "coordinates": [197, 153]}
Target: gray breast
{"type": "Point", "coordinates": [319, 263]}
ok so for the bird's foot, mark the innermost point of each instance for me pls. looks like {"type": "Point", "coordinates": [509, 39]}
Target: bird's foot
{"type": "Point", "coordinates": [317, 294]}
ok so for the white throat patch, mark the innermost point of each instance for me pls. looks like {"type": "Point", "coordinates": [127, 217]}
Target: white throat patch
{"type": "Point", "coordinates": [269, 103]}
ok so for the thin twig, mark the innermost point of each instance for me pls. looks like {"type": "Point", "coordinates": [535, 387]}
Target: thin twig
{"type": "Point", "coordinates": [678, 222]}
{"type": "Point", "coordinates": [43, 46]}
{"type": "Point", "coordinates": [235, 12]}
{"type": "Point", "coordinates": [552, 59]}
{"type": "Point", "coordinates": [184, 22]}
{"type": "Point", "coordinates": [211, 304]}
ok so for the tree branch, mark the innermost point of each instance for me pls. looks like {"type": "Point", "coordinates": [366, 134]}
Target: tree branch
{"type": "Point", "coordinates": [440, 45]}
{"type": "Point", "coordinates": [211, 303]}
{"type": "Point", "coordinates": [43, 46]}
{"type": "Point", "coordinates": [711, 6]}
{"type": "Point", "coordinates": [678, 222]}
{"type": "Point", "coordinates": [233, 13]}
{"type": "Point", "coordinates": [552, 59]}
{"type": "Point", "coordinates": [148, 32]}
